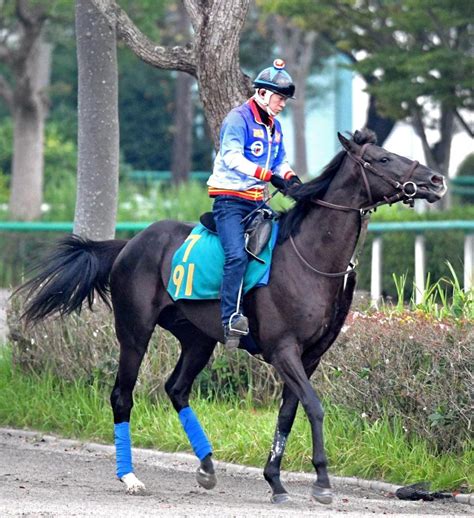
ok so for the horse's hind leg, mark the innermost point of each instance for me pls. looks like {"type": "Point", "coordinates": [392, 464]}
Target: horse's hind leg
{"type": "Point", "coordinates": [196, 351]}
{"type": "Point", "coordinates": [133, 333]}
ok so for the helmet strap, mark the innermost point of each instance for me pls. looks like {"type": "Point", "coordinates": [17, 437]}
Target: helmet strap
{"type": "Point", "coordinates": [264, 100]}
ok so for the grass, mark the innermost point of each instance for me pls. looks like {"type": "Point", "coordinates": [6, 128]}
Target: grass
{"type": "Point", "coordinates": [442, 299]}
{"type": "Point", "coordinates": [238, 431]}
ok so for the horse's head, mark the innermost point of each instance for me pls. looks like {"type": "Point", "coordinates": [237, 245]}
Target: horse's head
{"type": "Point", "coordinates": [388, 176]}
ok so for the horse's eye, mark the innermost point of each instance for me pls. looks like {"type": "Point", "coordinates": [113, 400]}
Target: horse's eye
{"type": "Point", "coordinates": [384, 160]}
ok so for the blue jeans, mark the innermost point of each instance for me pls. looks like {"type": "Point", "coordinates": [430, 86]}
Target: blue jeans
{"type": "Point", "coordinates": [228, 213]}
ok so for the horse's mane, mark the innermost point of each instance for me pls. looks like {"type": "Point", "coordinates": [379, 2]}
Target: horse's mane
{"type": "Point", "coordinates": [304, 195]}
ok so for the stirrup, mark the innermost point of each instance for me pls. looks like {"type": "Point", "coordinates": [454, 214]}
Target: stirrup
{"type": "Point", "coordinates": [237, 327]}
{"type": "Point", "coordinates": [238, 324]}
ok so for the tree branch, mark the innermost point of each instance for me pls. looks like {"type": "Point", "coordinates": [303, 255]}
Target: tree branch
{"type": "Point", "coordinates": [194, 10]}
{"type": "Point", "coordinates": [28, 15]}
{"type": "Point", "coordinates": [5, 54]}
{"type": "Point", "coordinates": [172, 58]}
{"type": "Point", "coordinates": [441, 33]}
{"type": "Point", "coordinates": [6, 92]}
{"type": "Point", "coordinates": [463, 123]}
{"type": "Point", "coordinates": [420, 130]}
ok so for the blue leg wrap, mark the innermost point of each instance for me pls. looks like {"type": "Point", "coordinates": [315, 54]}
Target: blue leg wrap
{"type": "Point", "coordinates": [197, 437]}
{"type": "Point", "coordinates": [123, 449]}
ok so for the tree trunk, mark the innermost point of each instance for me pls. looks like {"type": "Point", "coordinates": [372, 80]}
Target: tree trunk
{"type": "Point", "coordinates": [437, 156]}
{"type": "Point", "coordinates": [98, 129]}
{"type": "Point", "coordinates": [302, 64]}
{"type": "Point", "coordinates": [183, 129]}
{"type": "Point", "coordinates": [29, 110]}
{"type": "Point", "coordinates": [380, 125]}
{"type": "Point", "coordinates": [296, 48]}
{"type": "Point", "coordinates": [184, 112]}
{"type": "Point", "coordinates": [222, 85]}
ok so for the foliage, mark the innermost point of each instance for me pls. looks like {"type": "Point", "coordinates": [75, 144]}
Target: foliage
{"type": "Point", "coordinates": [412, 49]}
{"type": "Point", "coordinates": [409, 364]}
{"type": "Point", "coordinates": [146, 106]}
{"type": "Point", "coordinates": [59, 152]}
{"type": "Point", "coordinates": [164, 201]}
{"type": "Point", "coordinates": [146, 102]}
{"type": "Point", "coordinates": [466, 168]}
{"type": "Point", "coordinates": [6, 139]}
{"type": "Point", "coordinates": [441, 300]}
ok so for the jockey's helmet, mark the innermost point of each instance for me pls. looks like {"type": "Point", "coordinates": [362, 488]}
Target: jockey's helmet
{"type": "Point", "coordinates": [276, 79]}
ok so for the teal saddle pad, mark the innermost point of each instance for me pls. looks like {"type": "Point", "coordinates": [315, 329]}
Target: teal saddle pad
{"type": "Point", "coordinates": [198, 266]}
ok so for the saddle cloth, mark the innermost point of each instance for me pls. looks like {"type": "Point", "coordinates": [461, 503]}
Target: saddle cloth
{"type": "Point", "coordinates": [198, 266]}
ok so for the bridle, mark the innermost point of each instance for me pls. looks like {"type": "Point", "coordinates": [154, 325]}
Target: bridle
{"type": "Point", "coordinates": [401, 186]}
{"type": "Point", "coordinates": [406, 188]}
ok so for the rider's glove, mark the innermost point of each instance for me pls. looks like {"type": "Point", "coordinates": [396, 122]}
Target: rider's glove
{"type": "Point", "coordinates": [280, 183]}
{"type": "Point", "coordinates": [285, 185]}
{"type": "Point", "coordinates": [292, 181]}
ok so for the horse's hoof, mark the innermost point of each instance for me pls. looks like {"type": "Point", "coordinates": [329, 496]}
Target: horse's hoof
{"type": "Point", "coordinates": [282, 498]}
{"type": "Point", "coordinates": [133, 485]}
{"type": "Point", "coordinates": [205, 479]}
{"type": "Point", "coordinates": [322, 495]}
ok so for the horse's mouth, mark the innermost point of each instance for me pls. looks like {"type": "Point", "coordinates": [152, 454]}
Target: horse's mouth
{"type": "Point", "coordinates": [434, 190]}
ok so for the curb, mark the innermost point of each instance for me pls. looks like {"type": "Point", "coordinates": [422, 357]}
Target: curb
{"type": "Point", "coordinates": [165, 458]}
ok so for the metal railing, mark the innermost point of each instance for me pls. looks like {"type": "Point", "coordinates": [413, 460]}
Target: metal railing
{"type": "Point", "coordinates": [419, 227]}
{"type": "Point", "coordinates": [379, 229]}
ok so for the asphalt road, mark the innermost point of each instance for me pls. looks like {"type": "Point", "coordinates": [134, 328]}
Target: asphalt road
{"type": "Point", "coordinates": [44, 476]}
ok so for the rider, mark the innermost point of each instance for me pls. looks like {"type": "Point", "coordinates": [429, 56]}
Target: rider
{"type": "Point", "coordinates": [251, 155]}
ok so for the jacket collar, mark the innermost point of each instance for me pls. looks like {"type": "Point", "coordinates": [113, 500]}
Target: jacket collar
{"type": "Point", "coordinates": [259, 115]}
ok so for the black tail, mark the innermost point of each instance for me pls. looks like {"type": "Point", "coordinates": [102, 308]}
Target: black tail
{"type": "Point", "coordinates": [73, 272]}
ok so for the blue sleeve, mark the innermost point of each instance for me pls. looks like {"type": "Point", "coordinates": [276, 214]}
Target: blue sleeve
{"type": "Point", "coordinates": [232, 139]}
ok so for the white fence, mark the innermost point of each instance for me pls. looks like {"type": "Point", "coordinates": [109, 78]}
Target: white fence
{"type": "Point", "coordinates": [419, 252]}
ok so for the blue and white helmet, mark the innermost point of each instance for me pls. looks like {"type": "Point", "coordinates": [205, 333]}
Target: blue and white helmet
{"type": "Point", "coordinates": [276, 79]}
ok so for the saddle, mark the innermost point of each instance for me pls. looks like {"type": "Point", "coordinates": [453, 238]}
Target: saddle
{"type": "Point", "coordinates": [257, 232]}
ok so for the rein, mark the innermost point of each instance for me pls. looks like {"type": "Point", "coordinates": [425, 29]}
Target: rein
{"type": "Point", "coordinates": [363, 227]}
{"type": "Point", "coordinates": [365, 212]}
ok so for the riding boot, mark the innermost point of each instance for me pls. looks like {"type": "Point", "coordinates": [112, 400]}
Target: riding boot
{"type": "Point", "coordinates": [237, 327]}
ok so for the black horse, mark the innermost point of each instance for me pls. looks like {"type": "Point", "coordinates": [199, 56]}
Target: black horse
{"type": "Point", "coordinates": [293, 320]}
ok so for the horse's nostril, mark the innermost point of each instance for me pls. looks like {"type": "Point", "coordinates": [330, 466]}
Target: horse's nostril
{"type": "Point", "coordinates": [437, 179]}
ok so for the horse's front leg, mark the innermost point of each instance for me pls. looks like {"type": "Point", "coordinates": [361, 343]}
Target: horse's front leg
{"type": "Point", "coordinates": [286, 417]}
{"type": "Point", "coordinates": [287, 361]}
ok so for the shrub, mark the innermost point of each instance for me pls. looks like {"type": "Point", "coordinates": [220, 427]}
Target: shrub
{"type": "Point", "coordinates": [409, 366]}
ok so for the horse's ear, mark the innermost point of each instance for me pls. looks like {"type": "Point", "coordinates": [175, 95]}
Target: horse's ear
{"type": "Point", "coordinates": [348, 145]}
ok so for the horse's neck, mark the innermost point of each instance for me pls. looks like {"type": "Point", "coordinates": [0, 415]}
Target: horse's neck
{"type": "Point", "coordinates": [329, 236]}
